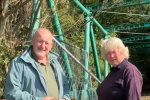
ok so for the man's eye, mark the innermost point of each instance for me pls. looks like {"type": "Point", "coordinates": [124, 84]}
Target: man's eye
{"type": "Point", "coordinates": [40, 41]}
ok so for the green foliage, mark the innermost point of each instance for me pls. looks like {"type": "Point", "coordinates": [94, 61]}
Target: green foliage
{"type": "Point", "coordinates": [9, 49]}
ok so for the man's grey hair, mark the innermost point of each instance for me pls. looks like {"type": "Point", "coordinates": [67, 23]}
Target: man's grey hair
{"type": "Point", "coordinates": [112, 43]}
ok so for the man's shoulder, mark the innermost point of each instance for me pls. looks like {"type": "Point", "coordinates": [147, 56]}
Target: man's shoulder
{"type": "Point", "coordinates": [17, 60]}
{"type": "Point", "coordinates": [22, 56]}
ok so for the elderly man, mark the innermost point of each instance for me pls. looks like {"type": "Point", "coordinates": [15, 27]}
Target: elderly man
{"type": "Point", "coordinates": [36, 74]}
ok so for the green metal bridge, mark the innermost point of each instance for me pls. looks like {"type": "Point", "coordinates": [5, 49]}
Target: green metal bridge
{"type": "Point", "coordinates": [83, 90]}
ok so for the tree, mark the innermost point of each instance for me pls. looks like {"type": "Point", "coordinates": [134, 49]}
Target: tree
{"type": "Point", "coordinates": [8, 7]}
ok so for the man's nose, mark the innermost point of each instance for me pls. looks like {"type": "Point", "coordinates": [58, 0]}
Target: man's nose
{"type": "Point", "coordinates": [43, 45]}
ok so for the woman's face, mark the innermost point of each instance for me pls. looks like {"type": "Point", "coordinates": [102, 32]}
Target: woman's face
{"type": "Point", "coordinates": [114, 57]}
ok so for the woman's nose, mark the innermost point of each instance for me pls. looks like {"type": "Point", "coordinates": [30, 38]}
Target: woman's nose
{"type": "Point", "coordinates": [112, 55]}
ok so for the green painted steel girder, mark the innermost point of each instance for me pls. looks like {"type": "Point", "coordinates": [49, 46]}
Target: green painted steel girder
{"type": "Point", "coordinates": [126, 40]}
{"type": "Point", "coordinates": [105, 68]}
{"type": "Point", "coordinates": [111, 5]}
{"type": "Point", "coordinates": [35, 17]}
{"type": "Point", "coordinates": [143, 51]}
{"type": "Point", "coordinates": [139, 46]}
{"type": "Point", "coordinates": [88, 13]}
{"type": "Point", "coordinates": [127, 27]}
{"type": "Point", "coordinates": [94, 49]}
{"type": "Point", "coordinates": [86, 48]}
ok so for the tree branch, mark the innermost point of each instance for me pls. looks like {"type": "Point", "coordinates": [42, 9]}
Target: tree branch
{"type": "Point", "coordinates": [1, 8]}
{"type": "Point", "coordinates": [5, 5]}
{"type": "Point", "coordinates": [16, 8]}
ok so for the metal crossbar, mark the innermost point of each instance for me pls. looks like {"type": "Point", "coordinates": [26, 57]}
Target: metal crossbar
{"type": "Point", "coordinates": [76, 58]}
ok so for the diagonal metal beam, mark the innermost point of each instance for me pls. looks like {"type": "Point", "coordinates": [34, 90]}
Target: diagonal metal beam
{"type": "Point", "coordinates": [112, 5]}
{"type": "Point", "coordinates": [137, 38]}
{"type": "Point", "coordinates": [127, 27]}
{"type": "Point", "coordinates": [145, 51]}
{"type": "Point", "coordinates": [139, 46]}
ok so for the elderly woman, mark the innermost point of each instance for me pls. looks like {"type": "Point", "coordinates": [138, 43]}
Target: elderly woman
{"type": "Point", "coordinates": [124, 82]}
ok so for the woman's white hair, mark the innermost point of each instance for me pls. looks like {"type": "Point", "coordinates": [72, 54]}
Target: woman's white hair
{"type": "Point", "coordinates": [114, 42]}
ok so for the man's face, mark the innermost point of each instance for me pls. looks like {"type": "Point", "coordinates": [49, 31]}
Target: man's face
{"type": "Point", "coordinates": [42, 44]}
{"type": "Point", "coordinates": [114, 57]}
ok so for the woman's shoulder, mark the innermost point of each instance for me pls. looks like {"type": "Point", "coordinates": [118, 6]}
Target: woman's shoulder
{"type": "Point", "coordinates": [131, 70]}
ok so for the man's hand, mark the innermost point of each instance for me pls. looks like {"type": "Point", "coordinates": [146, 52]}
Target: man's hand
{"type": "Point", "coordinates": [62, 99]}
{"type": "Point", "coordinates": [48, 98]}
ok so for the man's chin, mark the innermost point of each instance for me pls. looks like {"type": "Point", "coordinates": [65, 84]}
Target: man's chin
{"type": "Point", "coordinates": [41, 55]}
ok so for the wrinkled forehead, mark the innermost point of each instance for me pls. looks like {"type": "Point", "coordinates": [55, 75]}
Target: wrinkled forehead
{"type": "Point", "coordinates": [44, 35]}
{"type": "Point", "coordinates": [48, 35]}
{"type": "Point", "coordinates": [44, 39]}
{"type": "Point", "coordinates": [110, 48]}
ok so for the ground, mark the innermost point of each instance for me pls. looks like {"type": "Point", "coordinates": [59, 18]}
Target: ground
{"type": "Point", "coordinates": [145, 97]}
